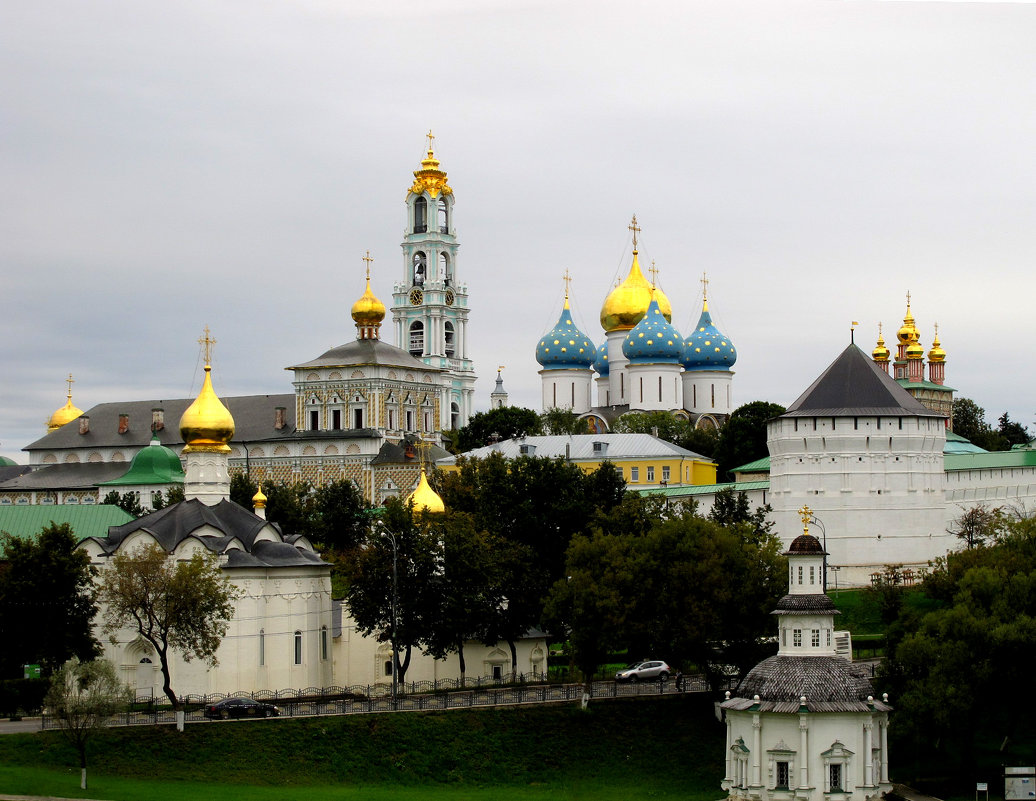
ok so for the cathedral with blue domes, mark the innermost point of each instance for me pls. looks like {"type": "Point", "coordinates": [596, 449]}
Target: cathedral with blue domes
{"type": "Point", "coordinates": [643, 365]}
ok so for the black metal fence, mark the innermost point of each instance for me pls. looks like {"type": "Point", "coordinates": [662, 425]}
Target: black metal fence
{"type": "Point", "coordinates": [410, 697]}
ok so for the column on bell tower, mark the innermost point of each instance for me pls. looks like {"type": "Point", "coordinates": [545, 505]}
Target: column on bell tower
{"type": "Point", "coordinates": [430, 303]}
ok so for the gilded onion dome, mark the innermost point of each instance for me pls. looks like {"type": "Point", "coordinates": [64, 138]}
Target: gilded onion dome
{"type": "Point", "coordinates": [936, 354]}
{"type": "Point", "coordinates": [66, 414]}
{"type": "Point", "coordinates": [707, 348]}
{"type": "Point", "coordinates": [601, 362]}
{"type": "Point", "coordinates": [626, 305]}
{"type": "Point", "coordinates": [368, 310]}
{"type": "Point", "coordinates": [207, 425]}
{"type": "Point", "coordinates": [424, 497]}
{"type": "Point", "coordinates": [908, 333]}
{"type": "Point", "coordinates": [880, 352]}
{"type": "Point", "coordinates": [430, 178]}
{"type": "Point", "coordinates": [653, 340]}
{"type": "Point", "coordinates": [565, 347]}
{"type": "Point", "coordinates": [259, 499]}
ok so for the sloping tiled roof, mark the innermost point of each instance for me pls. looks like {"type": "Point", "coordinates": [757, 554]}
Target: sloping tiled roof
{"type": "Point", "coordinates": [81, 475]}
{"type": "Point", "coordinates": [854, 385]}
{"type": "Point", "coordinates": [360, 352]}
{"type": "Point", "coordinates": [814, 604]}
{"type": "Point", "coordinates": [819, 678]}
{"type": "Point", "coordinates": [85, 520]}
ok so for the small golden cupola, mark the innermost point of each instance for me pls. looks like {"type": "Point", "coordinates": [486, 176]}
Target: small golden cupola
{"type": "Point", "coordinates": [425, 498]}
{"type": "Point", "coordinates": [207, 425]}
{"type": "Point", "coordinates": [880, 352]}
{"type": "Point", "coordinates": [627, 304]}
{"type": "Point", "coordinates": [430, 178]}
{"type": "Point", "coordinates": [908, 333]}
{"type": "Point", "coordinates": [368, 311]}
{"type": "Point", "coordinates": [936, 354]}
{"type": "Point", "coordinates": [67, 413]}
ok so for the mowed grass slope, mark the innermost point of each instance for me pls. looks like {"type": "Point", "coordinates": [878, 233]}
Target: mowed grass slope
{"type": "Point", "coordinates": [669, 747]}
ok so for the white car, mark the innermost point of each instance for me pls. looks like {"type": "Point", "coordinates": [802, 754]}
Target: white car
{"type": "Point", "coordinates": [644, 671]}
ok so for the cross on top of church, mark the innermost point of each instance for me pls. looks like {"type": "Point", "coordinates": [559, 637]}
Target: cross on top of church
{"type": "Point", "coordinates": [654, 274]}
{"type": "Point", "coordinates": [70, 381]}
{"type": "Point", "coordinates": [636, 230]}
{"type": "Point", "coordinates": [704, 286]}
{"type": "Point", "coordinates": [368, 259]}
{"type": "Point", "coordinates": [807, 515]}
{"type": "Point", "coordinates": [431, 138]}
{"type": "Point", "coordinates": [908, 298]}
{"type": "Point", "coordinates": [207, 342]}
{"type": "Point", "coordinates": [567, 278]}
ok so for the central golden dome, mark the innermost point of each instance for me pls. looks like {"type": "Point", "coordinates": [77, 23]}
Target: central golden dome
{"type": "Point", "coordinates": [368, 310]}
{"type": "Point", "coordinates": [628, 302]}
{"type": "Point", "coordinates": [207, 425]}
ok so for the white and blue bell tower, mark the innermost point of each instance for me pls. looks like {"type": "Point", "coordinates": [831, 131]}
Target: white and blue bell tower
{"type": "Point", "coordinates": [430, 304]}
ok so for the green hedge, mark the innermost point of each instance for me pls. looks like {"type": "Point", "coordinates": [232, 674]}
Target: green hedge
{"type": "Point", "coordinates": [22, 696]}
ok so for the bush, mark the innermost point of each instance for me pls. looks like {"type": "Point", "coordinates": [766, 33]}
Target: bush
{"type": "Point", "coordinates": [22, 696]}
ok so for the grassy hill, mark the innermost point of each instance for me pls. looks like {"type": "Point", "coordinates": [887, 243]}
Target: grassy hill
{"type": "Point", "coordinates": [670, 747]}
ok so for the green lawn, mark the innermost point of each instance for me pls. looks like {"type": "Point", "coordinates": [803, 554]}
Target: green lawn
{"type": "Point", "coordinates": [660, 748]}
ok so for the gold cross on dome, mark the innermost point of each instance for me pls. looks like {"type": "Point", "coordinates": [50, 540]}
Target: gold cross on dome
{"type": "Point", "coordinates": [368, 259]}
{"type": "Point", "coordinates": [704, 286]}
{"type": "Point", "coordinates": [908, 298]}
{"type": "Point", "coordinates": [500, 367]}
{"type": "Point", "coordinates": [635, 229]}
{"type": "Point", "coordinates": [567, 278]}
{"type": "Point", "coordinates": [431, 138]}
{"type": "Point", "coordinates": [654, 274]}
{"type": "Point", "coordinates": [807, 515]}
{"type": "Point", "coordinates": [207, 342]}
{"type": "Point", "coordinates": [70, 381]}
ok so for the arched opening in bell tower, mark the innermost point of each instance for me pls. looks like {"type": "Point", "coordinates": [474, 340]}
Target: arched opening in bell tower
{"type": "Point", "coordinates": [444, 216]}
{"type": "Point", "coordinates": [420, 268]}
{"type": "Point", "coordinates": [417, 338]}
{"type": "Point", "coordinates": [444, 268]}
{"type": "Point", "coordinates": [450, 348]}
{"type": "Point", "coordinates": [420, 216]}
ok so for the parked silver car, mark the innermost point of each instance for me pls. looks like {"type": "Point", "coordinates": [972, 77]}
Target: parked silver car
{"type": "Point", "coordinates": [644, 671]}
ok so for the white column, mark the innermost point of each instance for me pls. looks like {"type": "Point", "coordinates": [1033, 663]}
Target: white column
{"type": "Point", "coordinates": [868, 755]}
{"type": "Point", "coordinates": [884, 752]}
{"type": "Point", "coordinates": [728, 778]}
{"type": "Point", "coordinates": [803, 751]}
{"type": "Point", "coordinates": [757, 747]}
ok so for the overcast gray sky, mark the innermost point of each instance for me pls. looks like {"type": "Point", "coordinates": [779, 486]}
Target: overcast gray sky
{"type": "Point", "coordinates": [167, 166]}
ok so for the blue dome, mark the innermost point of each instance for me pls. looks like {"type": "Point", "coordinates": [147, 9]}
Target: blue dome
{"type": "Point", "coordinates": [653, 340]}
{"type": "Point", "coordinates": [601, 362]}
{"type": "Point", "coordinates": [707, 348]}
{"type": "Point", "coordinates": [565, 347]}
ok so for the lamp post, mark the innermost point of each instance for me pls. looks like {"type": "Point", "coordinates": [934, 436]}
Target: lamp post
{"type": "Point", "coordinates": [395, 604]}
{"type": "Point", "coordinates": [824, 532]}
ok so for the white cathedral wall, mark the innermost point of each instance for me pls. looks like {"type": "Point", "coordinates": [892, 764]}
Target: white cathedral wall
{"type": "Point", "coordinates": [822, 730]}
{"type": "Point", "coordinates": [654, 387]}
{"type": "Point", "coordinates": [618, 381]}
{"type": "Point", "coordinates": [708, 391]}
{"type": "Point", "coordinates": [878, 489]}
{"type": "Point", "coordinates": [567, 389]}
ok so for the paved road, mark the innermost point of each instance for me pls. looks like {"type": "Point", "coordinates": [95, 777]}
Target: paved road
{"type": "Point", "coordinates": [13, 726]}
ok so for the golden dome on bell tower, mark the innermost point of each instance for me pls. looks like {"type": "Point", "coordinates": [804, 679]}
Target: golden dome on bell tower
{"type": "Point", "coordinates": [628, 302]}
{"type": "Point", "coordinates": [430, 178]}
{"type": "Point", "coordinates": [207, 424]}
{"type": "Point", "coordinates": [908, 333]}
{"type": "Point", "coordinates": [880, 352]}
{"type": "Point", "coordinates": [67, 413]}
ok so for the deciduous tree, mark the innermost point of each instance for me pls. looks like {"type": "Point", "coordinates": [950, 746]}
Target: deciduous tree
{"type": "Point", "coordinates": [180, 607]}
{"type": "Point", "coordinates": [83, 696]}
{"type": "Point", "coordinates": [502, 423]}
{"type": "Point", "coordinates": [743, 437]}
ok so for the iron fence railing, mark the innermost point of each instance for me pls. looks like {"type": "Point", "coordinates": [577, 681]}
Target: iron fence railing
{"type": "Point", "coordinates": [411, 697]}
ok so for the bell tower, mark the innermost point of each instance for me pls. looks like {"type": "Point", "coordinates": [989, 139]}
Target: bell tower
{"type": "Point", "coordinates": [430, 304]}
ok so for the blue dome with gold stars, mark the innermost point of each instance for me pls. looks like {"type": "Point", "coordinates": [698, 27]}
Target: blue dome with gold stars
{"type": "Point", "coordinates": [601, 362]}
{"type": "Point", "coordinates": [707, 348]}
{"type": "Point", "coordinates": [565, 347]}
{"type": "Point", "coordinates": [653, 340]}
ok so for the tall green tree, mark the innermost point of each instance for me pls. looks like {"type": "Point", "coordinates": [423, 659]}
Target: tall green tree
{"type": "Point", "coordinates": [47, 601]}
{"type": "Point", "coordinates": [502, 423]}
{"type": "Point", "coordinates": [82, 698]}
{"type": "Point", "coordinates": [671, 428]}
{"type": "Point", "coordinates": [178, 606]}
{"type": "Point", "coordinates": [1014, 433]}
{"type": "Point", "coordinates": [743, 437]}
{"type": "Point", "coordinates": [969, 421]}
{"type": "Point", "coordinates": [560, 421]}
{"type": "Point", "coordinates": [129, 502]}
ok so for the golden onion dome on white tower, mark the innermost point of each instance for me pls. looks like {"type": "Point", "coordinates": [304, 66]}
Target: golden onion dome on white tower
{"type": "Point", "coordinates": [207, 424]}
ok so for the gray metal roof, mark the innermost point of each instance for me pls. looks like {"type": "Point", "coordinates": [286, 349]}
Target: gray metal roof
{"type": "Point", "coordinates": [77, 476]}
{"type": "Point", "coordinates": [581, 446]}
{"type": "Point", "coordinates": [852, 386]}
{"type": "Point", "coordinates": [361, 352]}
{"type": "Point", "coordinates": [816, 604]}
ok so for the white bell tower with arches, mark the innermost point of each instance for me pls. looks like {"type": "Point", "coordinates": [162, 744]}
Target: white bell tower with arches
{"type": "Point", "coordinates": [430, 304]}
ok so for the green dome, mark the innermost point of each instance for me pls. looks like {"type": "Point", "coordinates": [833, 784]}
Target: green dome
{"type": "Point", "coordinates": [155, 464]}
{"type": "Point", "coordinates": [7, 462]}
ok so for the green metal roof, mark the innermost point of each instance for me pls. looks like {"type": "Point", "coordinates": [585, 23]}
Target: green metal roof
{"type": "Point", "coordinates": [25, 522]}
{"type": "Point", "coordinates": [155, 464]}
{"type": "Point", "coordinates": [906, 383]}
{"type": "Point", "coordinates": [991, 460]}
{"type": "Point", "coordinates": [758, 466]}
{"type": "Point", "coordinates": [703, 489]}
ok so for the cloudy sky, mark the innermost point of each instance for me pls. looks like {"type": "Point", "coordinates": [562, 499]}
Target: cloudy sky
{"type": "Point", "coordinates": [166, 166]}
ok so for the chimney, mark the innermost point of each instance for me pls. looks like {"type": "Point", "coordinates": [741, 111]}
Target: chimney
{"type": "Point", "coordinates": [157, 419]}
{"type": "Point", "coordinates": [84, 424]}
{"type": "Point", "coordinates": [123, 423]}
{"type": "Point", "coordinates": [278, 418]}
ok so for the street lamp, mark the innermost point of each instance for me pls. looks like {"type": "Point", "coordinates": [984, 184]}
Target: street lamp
{"type": "Point", "coordinates": [824, 532]}
{"type": "Point", "coordinates": [395, 605]}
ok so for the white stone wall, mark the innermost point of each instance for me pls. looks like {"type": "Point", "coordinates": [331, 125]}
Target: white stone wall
{"type": "Point", "coordinates": [708, 391]}
{"type": "Point", "coordinates": [1011, 487]}
{"type": "Point", "coordinates": [567, 389]}
{"type": "Point", "coordinates": [654, 387]}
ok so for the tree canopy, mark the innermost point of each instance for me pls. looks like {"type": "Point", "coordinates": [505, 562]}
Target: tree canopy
{"type": "Point", "coordinates": [46, 601]}
{"type": "Point", "coordinates": [969, 421]}
{"type": "Point", "coordinates": [743, 437]}
{"type": "Point", "coordinates": [504, 422]}
{"type": "Point", "coordinates": [671, 428]}
{"type": "Point", "coordinates": [177, 606]}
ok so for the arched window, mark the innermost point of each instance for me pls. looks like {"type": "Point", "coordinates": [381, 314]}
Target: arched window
{"type": "Point", "coordinates": [323, 642]}
{"type": "Point", "coordinates": [448, 329]}
{"type": "Point", "coordinates": [420, 268]}
{"type": "Point", "coordinates": [417, 338]}
{"type": "Point", "coordinates": [420, 216]}
{"type": "Point", "coordinates": [444, 216]}
{"type": "Point", "coordinates": [444, 268]}
{"type": "Point", "coordinates": [298, 647]}
{"type": "Point", "coordinates": [454, 416]}
{"type": "Point", "coordinates": [262, 647]}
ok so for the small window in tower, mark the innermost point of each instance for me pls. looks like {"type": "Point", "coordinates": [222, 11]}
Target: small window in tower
{"type": "Point", "coordinates": [388, 667]}
{"type": "Point", "coordinates": [660, 389]}
{"type": "Point", "coordinates": [336, 419]}
{"type": "Point", "coordinates": [828, 638]}
{"type": "Point", "coordinates": [417, 338]}
{"type": "Point", "coordinates": [713, 395]}
{"type": "Point", "coordinates": [812, 574]}
{"type": "Point", "coordinates": [448, 330]}
{"type": "Point", "coordinates": [298, 647]}
{"type": "Point", "coordinates": [454, 416]}
{"type": "Point", "coordinates": [444, 217]}
{"type": "Point", "coordinates": [357, 418]}
{"type": "Point", "coordinates": [444, 268]}
{"type": "Point", "coordinates": [314, 420]}
{"type": "Point", "coordinates": [420, 216]}
{"type": "Point", "coordinates": [323, 642]}
{"type": "Point", "coordinates": [262, 647]}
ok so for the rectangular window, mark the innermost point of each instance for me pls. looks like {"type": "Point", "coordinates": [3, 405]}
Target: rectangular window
{"type": "Point", "coordinates": [409, 421]}
{"type": "Point", "coordinates": [812, 574]}
{"type": "Point", "coordinates": [314, 420]}
{"type": "Point", "coordinates": [498, 672]}
{"type": "Point", "coordinates": [336, 419]}
{"type": "Point", "coordinates": [783, 774]}
{"type": "Point", "coordinates": [323, 642]}
{"type": "Point", "coordinates": [784, 637]}
{"type": "Point", "coordinates": [829, 638]}
{"type": "Point", "coordinates": [835, 777]}
{"type": "Point", "coordinates": [357, 418]}
{"type": "Point", "coordinates": [634, 475]}
{"type": "Point", "coordinates": [800, 574]}
{"type": "Point", "coordinates": [262, 647]}
{"type": "Point", "coordinates": [665, 474]}
{"type": "Point", "coordinates": [650, 475]}
{"type": "Point", "coordinates": [814, 638]}
{"type": "Point", "coordinates": [388, 667]}
{"type": "Point", "coordinates": [298, 647]}
{"type": "Point", "coordinates": [796, 638]}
